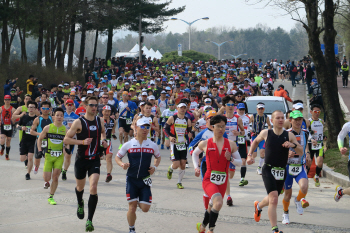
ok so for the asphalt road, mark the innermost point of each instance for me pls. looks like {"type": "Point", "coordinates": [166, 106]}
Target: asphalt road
{"type": "Point", "coordinates": [24, 206]}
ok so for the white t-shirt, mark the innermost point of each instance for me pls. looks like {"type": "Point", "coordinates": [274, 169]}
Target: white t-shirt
{"type": "Point", "coordinates": [122, 106]}
{"type": "Point", "coordinates": [115, 82]}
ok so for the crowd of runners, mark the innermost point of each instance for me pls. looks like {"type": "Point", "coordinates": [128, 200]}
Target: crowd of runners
{"type": "Point", "coordinates": [194, 109]}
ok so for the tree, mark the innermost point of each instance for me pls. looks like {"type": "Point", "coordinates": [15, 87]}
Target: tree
{"type": "Point", "coordinates": [187, 56]}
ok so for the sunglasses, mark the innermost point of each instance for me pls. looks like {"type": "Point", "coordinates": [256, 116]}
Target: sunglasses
{"type": "Point", "coordinates": [317, 111]}
{"type": "Point", "coordinates": [93, 105]}
{"type": "Point", "coordinates": [261, 108]}
{"type": "Point", "coordinates": [145, 127]}
{"type": "Point", "coordinates": [13, 91]}
{"type": "Point", "coordinates": [45, 108]}
{"type": "Point", "coordinates": [104, 97]}
{"type": "Point", "coordinates": [207, 102]}
{"type": "Point", "coordinates": [69, 104]}
{"type": "Point", "coordinates": [31, 107]}
{"type": "Point", "coordinates": [230, 105]}
{"type": "Point", "coordinates": [7, 99]}
{"type": "Point", "coordinates": [238, 96]}
{"type": "Point", "coordinates": [171, 104]}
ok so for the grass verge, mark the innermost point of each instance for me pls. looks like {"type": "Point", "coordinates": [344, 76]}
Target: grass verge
{"type": "Point", "coordinates": [336, 161]}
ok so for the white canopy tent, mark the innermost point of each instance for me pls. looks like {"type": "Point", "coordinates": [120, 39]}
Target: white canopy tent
{"type": "Point", "coordinates": [148, 53]}
{"type": "Point", "coordinates": [159, 55]}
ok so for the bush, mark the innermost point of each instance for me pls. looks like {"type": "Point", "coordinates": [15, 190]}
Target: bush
{"type": "Point", "coordinates": [187, 56]}
{"type": "Point", "coordinates": [46, 76]}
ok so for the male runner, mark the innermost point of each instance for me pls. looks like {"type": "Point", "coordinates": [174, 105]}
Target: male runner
{"type": "Point", "coordinates": [340, 193]}
{"type": "Point", "coordinates": [235, 132]}
{"type": "Point", "coordinates": [91, 134]}
{"type": "Point", "coordinates": [53, 134]}
{"type": "Point", "coordinates": [316, 145]}
{"type": "Point", "coordinates": [6, 112]}
{"type": "Point", "coordinates": [162, 106]}
{"type": "Point", "coordinates": [138, 181]}
{"type": "Point", "coordinates": [28, 141]}
{"type": "Point", "coordinates": [110, 132]}
{"type": "Point", "coordinates": [298, 105]}
{"type": "Point", "coordinates": [69, 117]}
{"type": "Point", "coordinates": [219, 152]}
{"type": "Point", "coordinates": [175, 129]}
{"type": "Point", "coordinates": [164, 118]}
{"type": "Point", "coordinates": [126, 113]}
{"type": "Point", "coordinates": [153, 120]}
{"type": "Point", "coordinates": [278, 141]}
{"type": "Point", "coordinates": [38, 125]}
{"type": "Point", "coordinates": [296, 168]}
{"type": "Point", "coordinates": [341, 136]}
{"type": "Point", "coordinates": [258, 121]}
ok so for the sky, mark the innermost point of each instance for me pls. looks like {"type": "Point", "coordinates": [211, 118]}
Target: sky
{"type": "Point", "coordinates": [237, 13]}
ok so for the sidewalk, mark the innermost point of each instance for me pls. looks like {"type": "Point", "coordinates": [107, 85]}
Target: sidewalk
{"type": "Point", "coordinates": [344, 97]}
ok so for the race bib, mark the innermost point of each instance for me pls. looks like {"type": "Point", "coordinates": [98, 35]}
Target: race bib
{"type": "Point", "coordinates": [241, 140]}
{"type": "Point", "coordinates": [128, 121]}
{"type": "Point", "coordinates": [28, 129]}
{"type": "Point", "coordinates": [317, 147]}
{"type": "Point", "coordinates": [278, 173]}
{"type": "Point", "coordinates": [218, 178]}
{"type": "Point", "coordinates": [180, 146]}
{"type": "Point", "coordinates": [43, 144]}
{"type": "Point", "coordinates": [295, 169]}
{"type": "Point", "coordinates": [56, 153]}
{"type": "Point", "coordinates": [148, 181]}
{"type": "Point", "coordinates": [7, 127]}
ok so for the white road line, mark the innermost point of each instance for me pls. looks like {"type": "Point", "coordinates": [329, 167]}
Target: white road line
{"type": "Point", "coordinates": [342, 104]}
{"type": "Point", "coordinates": [293, 93]}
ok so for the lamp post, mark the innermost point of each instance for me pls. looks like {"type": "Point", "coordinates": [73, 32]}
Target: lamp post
{"type": "Point", "coordinates": [235, 57]}
{"type": "Point", "coordinates": [189, 25]}
{"type": "Point", "coordinates": [219, 45]}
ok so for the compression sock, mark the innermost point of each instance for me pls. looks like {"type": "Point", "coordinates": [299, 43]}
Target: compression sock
{"type": "Point", "coordinates": [205, 201]}
{"type": "Point", "coordinates": [79, 196]}
{"type": "Point", "coordinates": [318, 171]}
{"type": "Point", "coordinates": [92, 206]}
{"type": "Point", "coordinates": [131, 228]}
{"type": "Point", "coordinates": [300, 195]}
{"type": "Point", "coordinates": [243, 171]}
{"type": "Point", "coordinates": [285, 206]}
{"type": "Point", "coordinates": [213, 216]}
{"type": "Point", "coordinates": [3, 147]}
{"type": "Point", "coordinates": [261, 162]}
{"type": "Point", "coordinates": [8, 150]}
{"type": "Point", "coordinates": [206, 218]}
{"type": "Point", "coordinates": [26, 162]}
{"type": "Point", "coordinates": [181, 175]}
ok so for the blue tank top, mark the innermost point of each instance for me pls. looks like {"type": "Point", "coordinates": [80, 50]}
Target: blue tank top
{"type": "Point", "coordinates": [42, 123]}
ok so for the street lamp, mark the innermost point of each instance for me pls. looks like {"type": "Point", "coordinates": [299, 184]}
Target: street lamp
{"type": "Point", "coordinates": [235, 57]}
{"type": "Point", "coordinates": [219, 45]}
{"type": "Point", "coordinates": [189, 25]}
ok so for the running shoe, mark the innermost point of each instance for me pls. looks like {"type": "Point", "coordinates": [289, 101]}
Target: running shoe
{"type": "Point", "coordinates": [46, 185]}
{"type": "Point", "coordinates": [275, 230]}
{"type": "Point", "coordinates": [168, 148]}
{"type": "Point", "coordinates": [259, 171]}
{"type": "Point", "coordinates": [158, 142]}
{"type": "Point", "coordinates": [36, 170]}
{"type": "Point", "coordinates": [7, 157]}
{"type": "Point", "coordinates": [170, 173]}
{"type": "Point", "coordinates": [339, 193]}
{"type": "Point", "coordinates": [199, 228]}
{"type": "Point", "coordinates": [80, 211]}
{"type": "Point", "coordinates": [162, 147]}
{"type": "Point", "coordinates": [257, 213]}
{"type": "Point", "coordinates": [108, 178]}
{"type": "Point", "coordinates": [2, 151]}
{"type": "Point", "coordinates": [27, 176]}
{"type": "Point", "coordinates": [243, 182]}
{"type": "Point", "coordinates": [229, 201]}
{"type": "Point", "coordinates": [132, 230]}
{"type": "Point", "coordinates": [304, 203]}
{"type": "Point", "coordinates": [64, 175]}
{"type": "Point", "coordinates": [51, 201]}
{"type": "Point", "coordinates": [187, 165]}
{"type": "Point", "coordinates": [89, 226]}
{"type": "Point", "coordinates": [285, 219]}
{"type": "Point", "coordinates": [300, 209]}
{"type": "Point", "coordinates": [120, 146]}
{"type": "Point", "coordinates": [179, 186]}
{"type": "Point", "coordinates": [317, 181]}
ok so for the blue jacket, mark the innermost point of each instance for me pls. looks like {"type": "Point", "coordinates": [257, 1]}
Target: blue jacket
{"type": "Point", "coordinates": [7, 88]}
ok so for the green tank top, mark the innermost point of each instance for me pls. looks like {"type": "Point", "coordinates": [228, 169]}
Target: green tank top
{"type": "Point", "coordinates": [55, 138]}
{"type": "Point", "coordinates": [24, 108]}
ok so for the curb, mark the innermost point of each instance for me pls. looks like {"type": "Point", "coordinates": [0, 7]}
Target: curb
{"type": "Point", "coordinates": [335, 176]}
{"type": "Point", "coordinates": [326, 171]}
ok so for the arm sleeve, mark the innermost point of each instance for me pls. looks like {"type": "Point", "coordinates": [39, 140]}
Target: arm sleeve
{"type": "Point", "coordinates": [195, 157]}
{"type": "Point", "coordinates": [167, 130]}
{"type": "Point", "coordinates": [342, 134]}
{"type": "Point", "coordinates": [237, 161]}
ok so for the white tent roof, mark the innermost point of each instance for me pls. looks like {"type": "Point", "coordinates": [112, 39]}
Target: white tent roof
{"type": "Point", "coordinates": [159, 55]}
{"type": "Point", "coordinates": [152, 53]}
{"type": "Point", "coordinates": [135, 49]}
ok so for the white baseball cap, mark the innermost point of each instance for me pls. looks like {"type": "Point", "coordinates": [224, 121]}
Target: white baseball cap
{"type": "Point", "coordinates": [143, 121]}
{"type": "Point", "coordinates": [298, 106]}
{"type": "Point", "coordinates": [144, 93]}
{"type": "Point", "coordinates": [181, 105]}
{"type": "Point", "coordinates": [107, 107]}
{"type": "Point", "coordinates": [260, 106]}
{"type": "Point", "coordinates": [151, 97]}
{"type": "Point", "coordinates": [89, 92]}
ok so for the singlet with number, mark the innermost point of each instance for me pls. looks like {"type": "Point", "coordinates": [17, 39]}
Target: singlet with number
{"type": "Point", "coordinates": [42, 123]}
{"type": "Point", "coordinates": [6, 115]}
{"type": "Point", "coordinates": [232, 124]}
{"type": "Point", "coordinates": [122, 106]}
{"type": "Point", "coordinates": [108, 128]}
{"type": "Point", "coordinates": [302, 138]}
{"type": "Point", "coordinates": [316, 127]}
{"type": "Point", "coordinates": [258, 123]}
{"type": "Point", "coordinates": [162, 104]}
{"type": "Point", "coordinates": [89, 129]}
{"type": "Point", "coordinates": [245, 119]}
{"type": "Point", "coordinates": [275, 154]}
{"type": "Point", "coordinates": [215, 161]}
{"type": "Point", "coordinates": [168, 113]}
{"type": "Point", "coordinates": [55, 138]}
{"type": "Point", "coordinates": [179, 128]}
